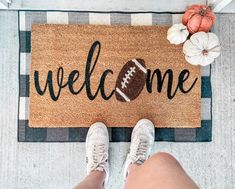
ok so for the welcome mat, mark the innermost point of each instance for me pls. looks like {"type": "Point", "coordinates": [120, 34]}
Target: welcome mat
{"type": "Point", "coordinates": [117, 133]}
{"type": "Point", "coordinates": [114, 74]}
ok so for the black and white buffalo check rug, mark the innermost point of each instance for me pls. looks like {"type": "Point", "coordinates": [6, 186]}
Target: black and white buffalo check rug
{"type": "Point", "coordinates": [27, 134]}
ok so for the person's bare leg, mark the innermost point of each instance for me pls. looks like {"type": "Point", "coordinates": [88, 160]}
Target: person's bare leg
{"type": "Point", "coordinates": [94, 180]}
{"type": "Point", "coordinates": [161, 171]}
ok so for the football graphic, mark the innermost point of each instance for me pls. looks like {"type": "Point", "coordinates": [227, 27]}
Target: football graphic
{"type": "Point", "coordinates": [131, 80]}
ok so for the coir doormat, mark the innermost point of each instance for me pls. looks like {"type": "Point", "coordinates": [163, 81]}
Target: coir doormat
{"type": "Point", "coordinates": [114, 74]}
{"type": "Point", "coordinates": [96, 73]}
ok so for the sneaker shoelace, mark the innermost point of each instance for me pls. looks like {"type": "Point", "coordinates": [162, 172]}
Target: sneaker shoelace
{"type": "Point", "coordinates": [140, 150]}
{"type": "Point", "coordinates": [99, 157]}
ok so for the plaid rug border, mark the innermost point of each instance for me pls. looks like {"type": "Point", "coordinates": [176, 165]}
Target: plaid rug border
{"type": "Point", "coordinates": [120, 134]}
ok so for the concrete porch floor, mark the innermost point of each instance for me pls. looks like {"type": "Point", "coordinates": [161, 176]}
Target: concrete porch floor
{"type": "Point", "coordinates": [62, 165]}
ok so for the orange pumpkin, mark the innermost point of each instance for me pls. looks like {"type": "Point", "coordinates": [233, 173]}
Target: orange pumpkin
{"type": "Point", "coordinates": [199, 18]}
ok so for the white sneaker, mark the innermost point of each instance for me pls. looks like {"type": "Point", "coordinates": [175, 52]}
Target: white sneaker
{"type": "Point", "coordinates": [97, 145]}
{"type": "Point", "coordinates": [142, 140]}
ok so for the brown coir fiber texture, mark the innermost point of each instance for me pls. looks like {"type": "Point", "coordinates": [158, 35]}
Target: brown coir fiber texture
{"type": "Point", "coordinates": [67, 46]}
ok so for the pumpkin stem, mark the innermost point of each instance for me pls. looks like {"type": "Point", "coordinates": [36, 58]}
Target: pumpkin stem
{"type": "Point", "coordinates": [203, 11]}
{"type": "Point", "coordinates": [205, 52]}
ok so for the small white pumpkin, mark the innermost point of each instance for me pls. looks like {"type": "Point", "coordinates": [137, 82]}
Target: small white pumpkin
{"type": "Point", "coordinates": [177, 34]}
{"type": "Point", "coordinates": [202, 48]}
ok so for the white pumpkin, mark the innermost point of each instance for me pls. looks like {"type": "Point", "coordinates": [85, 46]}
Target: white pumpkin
{"type": "Point", "coordinates": [202, 48]}
{"type": "Point", "coordinates": [177, 34]}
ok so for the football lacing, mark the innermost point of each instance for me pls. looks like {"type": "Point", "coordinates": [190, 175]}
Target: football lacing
{"type": "Point", "coordinates": [128, 75]}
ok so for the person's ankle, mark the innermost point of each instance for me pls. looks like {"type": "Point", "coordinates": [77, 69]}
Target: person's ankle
{"type": "Point", "coordinates": [99, 174]}
{"type": "Point", "coordinates": [132, 167]}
